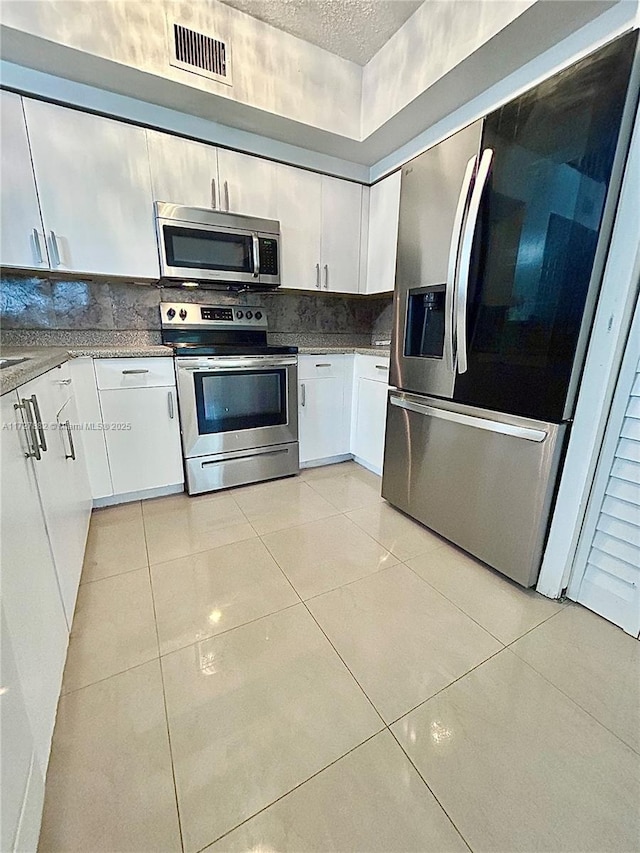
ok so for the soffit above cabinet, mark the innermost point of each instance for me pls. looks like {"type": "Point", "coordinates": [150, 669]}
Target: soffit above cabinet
{"type": "Point", "coordinates": [283, 88]}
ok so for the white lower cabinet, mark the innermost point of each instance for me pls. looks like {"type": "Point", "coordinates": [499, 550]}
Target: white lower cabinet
{"type": "Point", "coordinates": [143, 437]}
{"type": "Point", "coordinates": [31, 601]}
{"type": "Point", "coordinates": [324, 398]}
{"type": "Point", "coordinates": [62, 478]}
{"type": "Point", "coordinates": [369, 410]}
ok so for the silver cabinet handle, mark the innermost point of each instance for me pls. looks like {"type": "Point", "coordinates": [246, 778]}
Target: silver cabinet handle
{"type": "Point", "coordinates": [465, 257]}
{"type": "Point", "coordinates": [326, 276]}
{"type": "Point", "coordinates": [318, 276]}
{"type": "Point", "coordinates": [214, 200]}
{"type": "Point", "coordinates": [256, 256]}
{"type": "Point", "coordinates": [303, 388]}
{"type": "Point", "coordinates": [138, 370]}
{"type": "Point", "coordinates": [55, 252]}
{"type": "Point", "coordinates": [36, 246]}
{"type": "Point", "coordinates": [324, 364]}
{"type": "Point", "coordinates": [170, 403]}
{"type": "Point", "coordinates": [528, 433]}
{"type": "Point", "coordinates": [382, 367]}
{"type": "Point", "coordinates": [38, 423]}
{"type": "Point", "coordinates": [452, 269]}
{"type": "Point", "coordinates": [72, 449]}
{"type": "Point", "coordinates": [33, 449]}
{"type": "Point", "coordinates": [226, 195]}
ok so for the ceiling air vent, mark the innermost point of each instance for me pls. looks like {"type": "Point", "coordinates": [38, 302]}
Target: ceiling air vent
{"type": "Point", "coordinates": [201, 54]}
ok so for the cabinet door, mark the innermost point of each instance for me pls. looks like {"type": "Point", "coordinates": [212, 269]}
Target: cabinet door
{"type": "Point", "coordinates": [384, 207]}
{"type": "Point", "coordinates": [93, 182]}
{"type": "Point", "coordinates": [91, 437]}
{"type": "Point", "coordinates": [320, 419]}
{"type": "Point", "coordinates": [371, 414]}
{"type": "Point", "coordinates": [300, 215]}
{"type": "Point", "coordinates": [30, 595]}
{"type": "Point", "coordinates": [341, 215]}
{"type": "Point", "coordinates": [183, 171]}
{"type": "Point", "coordinates": [143, 438]}
{"type": "Point", "coordinates": [21, 235]}
{"type": "Point", "coordinates": [248, 185]}
{"type": "Point", "coordinates": [62, 479]}
{"type": "Point", "coordinates": [22, 779]}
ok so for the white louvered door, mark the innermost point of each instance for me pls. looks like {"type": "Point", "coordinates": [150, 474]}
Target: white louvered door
{"type": "Point", "coordinates": [607, 571]}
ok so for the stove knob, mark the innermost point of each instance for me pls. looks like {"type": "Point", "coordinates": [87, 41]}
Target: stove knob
{"type": "Point", "coordinates": [249, 315]}
{"type": "Point", "coordinates": [258, 315]}
{"type": "Point", "coordinates": [239, 315]}
{"type": "Point", "coordinates": [171, 313]}
{"type": "Point", "coordinates": [183, 314]}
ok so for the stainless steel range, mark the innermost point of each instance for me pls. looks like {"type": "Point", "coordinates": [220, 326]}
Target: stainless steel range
{"type": "Point", "coordinates": [237, 396]}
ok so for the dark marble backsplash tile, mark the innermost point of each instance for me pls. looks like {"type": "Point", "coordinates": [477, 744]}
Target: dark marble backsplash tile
{"type": "Point", "coordinates": [79, 305]}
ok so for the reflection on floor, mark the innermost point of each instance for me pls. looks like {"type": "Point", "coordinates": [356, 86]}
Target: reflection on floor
{"type": "Point", "coordinates": [296, 666]}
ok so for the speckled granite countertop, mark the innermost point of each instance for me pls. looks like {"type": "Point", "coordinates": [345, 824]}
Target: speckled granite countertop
{"type": "Point", "coordinates": [383, 352]}
{"type": "Point", "coordinates": [41, 359]}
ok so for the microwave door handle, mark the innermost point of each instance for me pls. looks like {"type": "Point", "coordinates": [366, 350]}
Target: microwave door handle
{"type": "Point", "coordinates": [482, 176]}
{"type": "Point", "coordinates": [256, 256]}
{"type": "Point", "coordinates": [452, 269]}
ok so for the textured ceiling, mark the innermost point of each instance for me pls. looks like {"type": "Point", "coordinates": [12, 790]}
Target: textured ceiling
{"type": "Point", "coordinates": [353, 29]}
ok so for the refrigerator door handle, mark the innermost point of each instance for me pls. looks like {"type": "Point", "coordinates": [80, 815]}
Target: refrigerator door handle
{"type": "Point", "coordinates": [465, 257]}
{"type": "Point", "coordinates": [527, 433]}
{"type": "Point", "coordinates": [452, 269]}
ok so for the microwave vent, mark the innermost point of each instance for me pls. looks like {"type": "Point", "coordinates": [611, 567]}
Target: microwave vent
{"type": "Point", "coordinates": [201, 54]}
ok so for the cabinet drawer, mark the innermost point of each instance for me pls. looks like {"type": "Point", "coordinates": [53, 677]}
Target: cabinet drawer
{"type": "Point", "coordinates": [321, 366]}
{"type": "Point", "coordinates": [134, 372]}
{"type": "Point", "coordinates": [372, 367]}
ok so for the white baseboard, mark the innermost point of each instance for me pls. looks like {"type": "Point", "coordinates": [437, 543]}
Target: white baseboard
{"type": "Point", "coordinates": [145, 494]}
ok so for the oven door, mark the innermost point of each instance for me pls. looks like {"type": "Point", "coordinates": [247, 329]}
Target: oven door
{"type": "Point", "coordinates": [236, 403]}
{"type": "Point", "coordinates": [207, 252]}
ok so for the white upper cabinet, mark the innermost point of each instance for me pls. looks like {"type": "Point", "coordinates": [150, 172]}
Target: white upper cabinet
{"type": "Point", "coordinates": [300, 214]}
{"type": "Point", "coordinates": [22, 241]}
{"type": "Point", "coordinates": [183, 171]}
{"type": "Point", "coordinates": [248, 185]}
{"type": "Point", "coordinates": [384, 209]}
{"type": "Point", "coordinates": [94, 186]}
{"type": "Point", "coordinates": [340, 247]}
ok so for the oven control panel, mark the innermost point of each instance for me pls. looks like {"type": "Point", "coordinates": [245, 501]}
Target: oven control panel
{"type": "Point", "coordinates": [176, 314]}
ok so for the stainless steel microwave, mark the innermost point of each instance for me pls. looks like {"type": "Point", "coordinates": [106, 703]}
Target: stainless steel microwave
{"type": "Point", "coordinates": [210, 247]}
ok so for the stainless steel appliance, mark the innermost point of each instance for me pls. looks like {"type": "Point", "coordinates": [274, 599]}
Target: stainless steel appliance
{"type": "Point", "coordinates": [209, 247]}
{"type": "Point", "coordinates": [502, 238]}
{"type": "Point", "coordinates": [237, 396]}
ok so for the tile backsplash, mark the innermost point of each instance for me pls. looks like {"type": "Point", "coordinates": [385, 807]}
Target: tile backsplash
{"type": "Point", "coordinates": [78, 311]}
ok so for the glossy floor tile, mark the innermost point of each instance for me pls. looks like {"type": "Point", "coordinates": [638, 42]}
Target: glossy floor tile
{"type": "Point", "coordinates": [109, 782]}
{"type": "Point", "coordinates": [518, 766]}
{"type": "Point", "coordinates": [281, 503]}
{"type": "Point", "coordinates": [593, 662]}
{"type": "Point", "coordinates": [206, 706]}
{"type": "Point", "coordinates": [177, 525]}
{"type": "Point", "coordinates": [253, 713]}
{"type": "Point", "coordinates": [401, 639]}
{"type": "Point", "coordinates": [116, 542]}
{"type": "Point", "coordinates": [325, 554]}
{"type": "Point", "coordinates": [402, 536]}
{"type": "Point", "coordinates": [502, 607]}
{"type": "Point", "coordinates": [113, 629]}
{"type": "Point", "coordinates": [370, 801]}
{"type": "Point", "coordinates": [205, 594]}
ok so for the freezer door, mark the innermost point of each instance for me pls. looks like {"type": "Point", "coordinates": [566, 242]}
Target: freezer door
{"type": "Point", "coordinates": [434, 194]}
{"type": "Point", "coordinates": [483, 480]}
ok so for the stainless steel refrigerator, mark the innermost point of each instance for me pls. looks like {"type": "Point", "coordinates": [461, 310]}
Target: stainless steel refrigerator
{"type": "Point", "coordinates": [503, 234]}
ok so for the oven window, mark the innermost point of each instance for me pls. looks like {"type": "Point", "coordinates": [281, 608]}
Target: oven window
{"type": "Point", "coordinates": [208, 250]}
{"type": "Point", "coordinates": [237, 400]}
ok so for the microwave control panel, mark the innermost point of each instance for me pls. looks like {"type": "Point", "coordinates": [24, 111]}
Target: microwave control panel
{"type": "Point", "coordinates": [268, 256]}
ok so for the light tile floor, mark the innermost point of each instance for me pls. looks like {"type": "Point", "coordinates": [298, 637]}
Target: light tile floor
{"type": "Point", "coordinates": [296, 666]}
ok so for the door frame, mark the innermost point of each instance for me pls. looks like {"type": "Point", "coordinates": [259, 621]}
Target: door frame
{"type": "Point", "coordinates": [609, 336]}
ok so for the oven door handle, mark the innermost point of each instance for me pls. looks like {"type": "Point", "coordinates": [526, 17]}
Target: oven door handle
{"type": "Point", "coordinates": [239, 364]}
